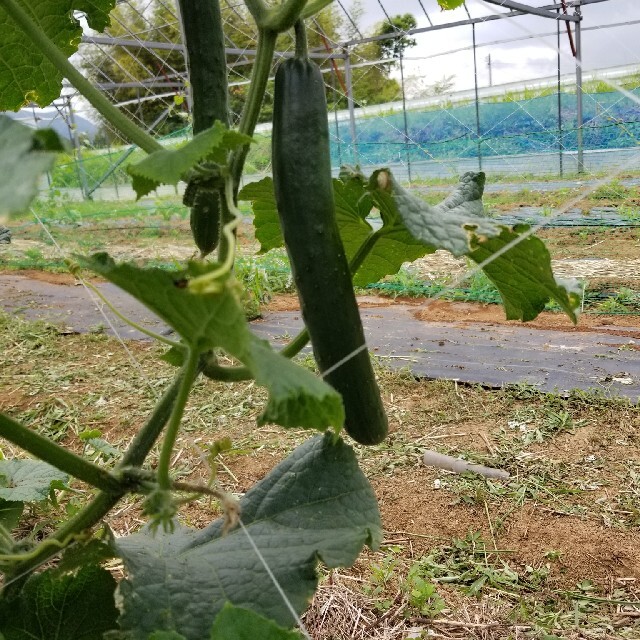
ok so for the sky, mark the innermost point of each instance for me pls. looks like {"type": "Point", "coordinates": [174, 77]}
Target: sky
{"type": "Point", "coordinates": [531, 56]}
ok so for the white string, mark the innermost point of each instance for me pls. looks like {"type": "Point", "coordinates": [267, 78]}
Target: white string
{"type": "Point", "coordinates": [273, 578]}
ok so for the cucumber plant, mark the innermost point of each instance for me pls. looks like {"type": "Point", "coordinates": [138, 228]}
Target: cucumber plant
{"type": "Point", "coordinates": [255, 567]}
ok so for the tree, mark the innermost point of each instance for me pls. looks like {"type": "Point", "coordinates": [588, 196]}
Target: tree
{"type": "Point", "coordinates": [400, 24]}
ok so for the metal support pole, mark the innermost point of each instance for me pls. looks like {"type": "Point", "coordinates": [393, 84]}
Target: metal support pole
{"type": "Point", "coordinates": [73, 130]}
{"type": "Point", "coordinates": [335, 115]}
{"type": "Point", "coordinates": [579, 114]}
{"type": "Point", "coordinates": [475, 85]}
{"type": "Point", "coordinates": [560, 141]}
{"type": "Point", "coordinates": [350, 104]}
{"type": "Point", "coordinates": [407, 148]}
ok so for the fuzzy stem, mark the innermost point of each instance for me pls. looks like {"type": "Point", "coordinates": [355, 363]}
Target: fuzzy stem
{"type": "Point", "coordinates": [251, 112]}
{"type": "Point", "coordinates": [90, 515]}
{"type": "Point", "coordinates": [189, 373]}
{"type": "Point", "coordinates": [97, 99]}
{"type": "Point", "coordinates": [301, 40]}
{"type": "Point", "coordinates": [58, 456]}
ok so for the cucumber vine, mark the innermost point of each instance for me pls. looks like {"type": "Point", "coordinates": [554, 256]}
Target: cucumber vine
{"type": "Point", "coordinates": [316, 504]}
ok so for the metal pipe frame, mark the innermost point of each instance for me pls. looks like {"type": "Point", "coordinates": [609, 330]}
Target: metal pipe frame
{"type": "Point", "coordinates": [536, 11]}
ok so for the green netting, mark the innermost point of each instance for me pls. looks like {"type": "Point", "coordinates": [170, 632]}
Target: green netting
{"type": "Point", "coordinates": [507, 127]}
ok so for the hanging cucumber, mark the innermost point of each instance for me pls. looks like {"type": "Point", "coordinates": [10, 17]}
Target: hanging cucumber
{"type": "Point", "coordinates": [208, 82]}
{"type": "Point", "coordinates": [304, 196]}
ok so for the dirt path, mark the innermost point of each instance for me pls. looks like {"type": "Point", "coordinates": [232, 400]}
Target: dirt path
{"type": "Point", "coordinates": [461, 341]}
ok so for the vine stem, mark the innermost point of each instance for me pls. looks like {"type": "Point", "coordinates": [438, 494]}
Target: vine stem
{"type": "Point", "coordinates": [189, 372]}
{"type": "Point", "coordinates": [301, 40]}
{"type": "Point", "coordinates": [259, 78]}
{"type": "Point", "coordinates": [90, 515]}
{"type": "Point", "coordinates": [97, 99]}
{"type": "Point", "coordinates": [58, 456]}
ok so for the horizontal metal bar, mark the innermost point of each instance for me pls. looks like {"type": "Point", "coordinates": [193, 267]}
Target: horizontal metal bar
{"type": "Point", "coordinates": [535, 11]}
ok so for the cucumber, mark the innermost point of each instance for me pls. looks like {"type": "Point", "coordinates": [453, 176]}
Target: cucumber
{"type": "Point", "coordinates": [205, 220]}
{"type": "Point", "coordinates": [304, 197]}
{"type": "Point", "coordinates": [202, 26]}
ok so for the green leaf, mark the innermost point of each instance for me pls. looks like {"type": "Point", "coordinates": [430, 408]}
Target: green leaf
{"type": "Point", "coordinates": [316, 505]}
{"type": "Point", "coordinates": [448, 225]}
{"type": "Point", "coordinates": [25, 155]}
{"type": "Point", "coordinates": [238, 623]}
{"type": "Point", "coordinates": [297, 398]}
{"type": "Point", "coordinates": [166, 635]}
{"type": "Point", "coordinates": [169, 166]}
{"type": "Point", "coordinates": [61, 607]}
{"type": "Point", "coordinates": [28, 480]}
{"type": "Point", "coordinates": [266, 220]}
{"type": "Point", "coordinates": [10, 513]}
{"type": "Point", "coordinates": [353, 203]}
{"type": "Point", "coordinates": [450, 4]}
{"type": "Point", "coordinates": [26, 75]}
{"type": "Point", "coordinates": [523, 275]}
{"type": "Point", "coordinates": [82, 554]}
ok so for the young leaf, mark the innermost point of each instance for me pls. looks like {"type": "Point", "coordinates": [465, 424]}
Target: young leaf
{"type": "Point", "coordinates": [38, 80]}
{"type": "Point", "coordinates": [169, 166]}
{"type": "Point", "coordinates": [25, 155]}
{"type": "Point", "coordinates": [28, 480]}
{"type": "Point", "coordinates": [238, 623]}
{"type": "Point", "coordinates": [316, 505]}
{"type": "Point", "coordinates": [297, 398]}
{"type": "Point", "coordinates": [51, 606]}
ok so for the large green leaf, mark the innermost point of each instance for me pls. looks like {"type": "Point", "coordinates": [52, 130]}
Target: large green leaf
{"type": "Point", "coordinates": [316, 505]}
{"type": "Point", "coordinates": [520, 265]}
{"type": "Point", "coordinates": [25, 154]}
{"type": "Point", "coordinates": [238, 623]}
{"type": "Point", "coordinates": [353, 202]}
{"type": "Point", "coordinates": [28, 480]}
{"type": "Point", "coordinates": [297, 398]}
{"type": "Point", "coordinates": [169, 166]}
{"type": "Point", "coordinates": [51, 606]}
{"type": "Point", "coordinates": [523, 275]}
{"type": "Point", "coordinates": [26, 75]}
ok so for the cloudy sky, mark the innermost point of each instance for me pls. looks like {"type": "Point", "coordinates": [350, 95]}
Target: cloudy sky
{"type": "Point", "coordinates": [531, 56]}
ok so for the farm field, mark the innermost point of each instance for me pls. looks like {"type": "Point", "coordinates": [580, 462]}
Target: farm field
{"type": "Point", "coordinates": [549, 553]}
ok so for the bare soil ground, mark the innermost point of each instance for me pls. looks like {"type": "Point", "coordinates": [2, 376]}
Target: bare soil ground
{"type": "Point", "coordinates": [555, 545]}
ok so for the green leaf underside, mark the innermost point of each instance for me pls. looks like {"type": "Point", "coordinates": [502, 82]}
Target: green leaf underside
{"type": "Point", "coordinates": [28, 480]}
{"type": "Point", "coordinates": [316, 505]}
{"type": "Point", "coordinates": [26, 75]}
{"type": "Point", "coordinates": [297, 398]}
{"type": "Point", "coordinates": [169, 166]}
{"type": "Point", "coordinates": [238, 623]}
{"type": "Point", "coordinates": [55, 607]}
{"type": "Point", "coordinates": [522, 274]}
{"type": "Point", "coordinates": [25, 154]}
